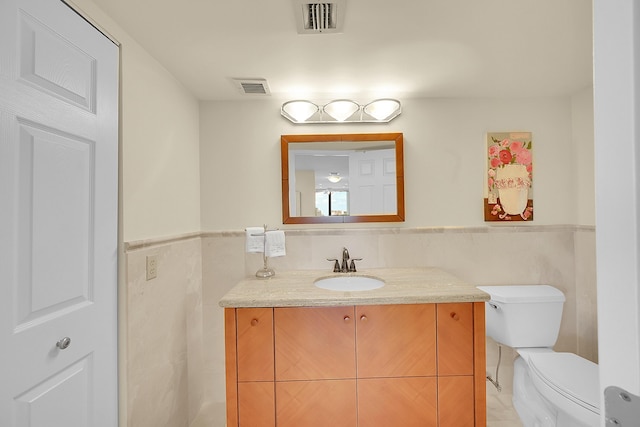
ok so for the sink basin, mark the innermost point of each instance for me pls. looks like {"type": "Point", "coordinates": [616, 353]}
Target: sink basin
{"type": "Point", "coordinates": [349, 283]}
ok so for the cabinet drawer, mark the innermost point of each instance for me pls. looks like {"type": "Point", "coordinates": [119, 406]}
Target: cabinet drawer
{"type": "Point", "coordinates": [455, 339]}
{"type": "Point", "coordinates": [255, 344]}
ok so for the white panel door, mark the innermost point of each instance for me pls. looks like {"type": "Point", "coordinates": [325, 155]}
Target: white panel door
{"type": "Point", "coordinates": [58, 218]}
{"type": "Point", "coordinates": [372, 182]}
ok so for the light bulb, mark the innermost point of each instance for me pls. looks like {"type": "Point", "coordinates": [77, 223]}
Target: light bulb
{"type": "Point", "coordinates": [382, 109]}
{"type": "Point", "coordinates": [300, 111]}
{"type": "Point", "coordinates": [334, 177]}
{"type": "Point", "coordinates": [341, 109]}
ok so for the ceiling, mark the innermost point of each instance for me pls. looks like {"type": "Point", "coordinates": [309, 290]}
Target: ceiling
{"type": "Point", "coordinates": [400, 48]}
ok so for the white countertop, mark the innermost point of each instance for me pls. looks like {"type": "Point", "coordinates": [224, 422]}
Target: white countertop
{"type": "Point", "coordinates": [402, 286]}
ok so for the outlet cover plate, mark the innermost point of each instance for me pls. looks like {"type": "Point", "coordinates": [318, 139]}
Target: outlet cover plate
{"type": "Point", "coordinates": [152, 267]}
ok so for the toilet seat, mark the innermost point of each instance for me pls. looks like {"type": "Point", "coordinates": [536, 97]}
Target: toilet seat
{"type": "Point", "coordinates": [570, 375]}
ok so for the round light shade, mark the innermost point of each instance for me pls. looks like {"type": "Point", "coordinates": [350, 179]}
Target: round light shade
{"type": "Point", "coordinates": [383, 109]}
{"type": "Point", "coordinates": [334, 177]}
{"type": "Point", "coordinates": [341, 109]}
{"type": "Point", "coordinates": [299, 111]}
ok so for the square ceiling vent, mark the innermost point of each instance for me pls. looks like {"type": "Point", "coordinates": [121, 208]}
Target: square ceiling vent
{"type": "Point", "coordinates": [319, 18]}
{"type": "Point", "coordinates": [252, 86]}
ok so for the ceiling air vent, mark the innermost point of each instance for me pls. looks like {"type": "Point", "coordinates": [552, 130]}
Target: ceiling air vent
{"type": "Point", "coordinates": [316, 18]}
{"type": "Point", "coordinates": [252, 86]}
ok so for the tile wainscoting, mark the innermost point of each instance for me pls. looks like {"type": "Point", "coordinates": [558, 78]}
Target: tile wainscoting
{"type": "Point", "coordinates": [162, 362]}
{"type": "Point", "coordinates": [173, 357]}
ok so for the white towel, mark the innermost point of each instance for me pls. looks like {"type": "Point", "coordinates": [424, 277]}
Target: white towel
{"type": "Point", "coordinates": [255, 239]}
{"type": "Point", "coordinates": [274, 243]}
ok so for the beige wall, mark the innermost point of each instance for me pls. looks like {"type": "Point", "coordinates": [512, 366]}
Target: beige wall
{"type": "Point", "coordinates": [164, 336]}
{"type": "Point", "coordinates": [159, 133]}
{"type": "Point", "coordinates": [305, 193]}
{"type": "Point", "coordinates": [582, 148]}
{"type": "Point", "coordinates": [160, 151]}
{"type": "Point", "coordinates": [444, 159]}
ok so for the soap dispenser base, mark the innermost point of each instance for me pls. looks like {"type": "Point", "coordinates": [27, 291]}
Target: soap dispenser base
{"type": "Point", "coordinates": [265, 273]}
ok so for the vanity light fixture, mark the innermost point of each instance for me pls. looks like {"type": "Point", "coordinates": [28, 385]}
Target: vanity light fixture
{"type": "Point", "coordinates": [341, 111]}
{"type": "Point", "coordinates": [298, 111]}
{"type": "Point", "coordinates": [382, 108]}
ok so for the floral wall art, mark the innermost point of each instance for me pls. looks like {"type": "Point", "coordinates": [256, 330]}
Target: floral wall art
{"type": "Point", "coordinates": [509, 190]}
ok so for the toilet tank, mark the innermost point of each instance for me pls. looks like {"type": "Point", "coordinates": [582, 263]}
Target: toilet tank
{"type": "Point", "coordinates": [523, 315]}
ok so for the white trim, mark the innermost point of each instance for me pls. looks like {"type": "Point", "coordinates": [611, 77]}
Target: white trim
{"type": "Point", "coordinates": [616, 80]}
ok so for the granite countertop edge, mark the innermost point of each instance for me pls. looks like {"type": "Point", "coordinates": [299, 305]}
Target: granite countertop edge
{"type": "Point", "coordinates": [402, 286]}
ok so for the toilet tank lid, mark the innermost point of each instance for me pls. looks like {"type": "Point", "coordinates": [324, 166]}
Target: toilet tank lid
{"type": "Point", "coordinates": [513, 294]}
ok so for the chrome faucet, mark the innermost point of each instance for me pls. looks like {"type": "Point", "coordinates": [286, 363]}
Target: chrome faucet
{"type": "Point", "coordinates": [345, 260]}
{"type": "Point", "coordinates": [348, 265]}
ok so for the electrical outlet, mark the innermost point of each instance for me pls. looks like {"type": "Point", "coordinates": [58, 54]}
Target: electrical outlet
{"type": "Point", "coordinates": [152, 267]}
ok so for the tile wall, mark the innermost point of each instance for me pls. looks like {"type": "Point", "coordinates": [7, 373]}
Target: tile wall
{"type": "Point", "coordinates": [175, 348]}
{"type": "Point", "coordinates": [164, 339]}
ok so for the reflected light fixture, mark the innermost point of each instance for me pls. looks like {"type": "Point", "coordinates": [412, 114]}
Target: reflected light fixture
{"type": "Point", "coordinates": [334, 177]}
{"type": "Point", "coordinates": [341, 111]}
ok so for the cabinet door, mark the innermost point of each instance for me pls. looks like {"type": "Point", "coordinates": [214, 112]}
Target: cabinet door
{"type": "Point", "coordinates": [314, 343]}
{"type": "Point", "coordinates": [255, 344]}
{"type": "Point", "coordinates": [456, 402]}
{"type": "Point", "coordinates": [406, 402]}
{"type": "Point", "coordinates": [316, 403]}
{"type": "Point", "coordinates": [455, 339]}
{"type": "Point", "coordinates": [231, 365]}
{"type": "Point", "coordinates": [396, 340]}
{"type": "Point", "coordinates": [256, 404]}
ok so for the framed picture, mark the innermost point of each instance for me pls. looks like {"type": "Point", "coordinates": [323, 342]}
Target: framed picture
{"type": "Point", "coordinates": [509, 180]}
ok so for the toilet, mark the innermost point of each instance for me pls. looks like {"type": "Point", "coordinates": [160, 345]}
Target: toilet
{"type": "Point", "coordinates": [549, 388]}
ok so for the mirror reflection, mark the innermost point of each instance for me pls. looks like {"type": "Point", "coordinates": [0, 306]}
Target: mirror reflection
{"type": "Point", "coordinates": [342, 178]}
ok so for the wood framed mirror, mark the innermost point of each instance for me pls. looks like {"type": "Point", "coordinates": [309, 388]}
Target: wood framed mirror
{"type": "Point", "coordinates": [342, 178]}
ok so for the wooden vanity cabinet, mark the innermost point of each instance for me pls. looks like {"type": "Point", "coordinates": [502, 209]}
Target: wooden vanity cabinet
{"type": "Point", "coordinates": [249, 343]}
{"type": "Point", "coordinates": [255, 344]}
{"type": "Point", "coordinates": [458, 356]}
{"type": "Point", "coordinates": [377, 365]}
{"type": "Point", "coordinates": [396, 340]}
{"type": "Point", "coordinates": [316, 403]}
{"type": "Point", "coordinates": [396, 346]}
{"type": "Point", "coordinates": [314, 343]}
{"type": "Point", "coordinates": [455, 339]}
{"type": "Point", "coordinates": [315, 358]}
{"type": "Point", "coordinates": [400, 401]}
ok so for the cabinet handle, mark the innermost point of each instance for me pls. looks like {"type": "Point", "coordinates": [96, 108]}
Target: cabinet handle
{"type": "Point", "coordinates": [363, 318]}
{"type": "Point", "coordinates": [254, 322]}
{"type": "Point", "coordinates": [454, 316]}
{"type": "Point", "coordinates": [63, 343]}
{"type": "Point", "coordinates": [347, 318]}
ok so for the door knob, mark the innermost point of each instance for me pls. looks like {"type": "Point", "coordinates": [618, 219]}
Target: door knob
{"type": "Point", "coordinates": [63, 343]}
